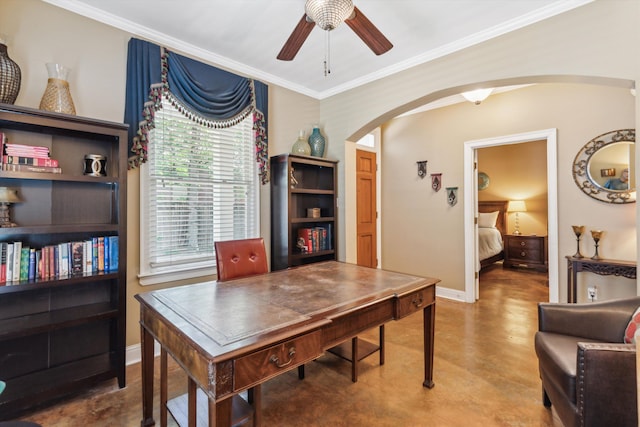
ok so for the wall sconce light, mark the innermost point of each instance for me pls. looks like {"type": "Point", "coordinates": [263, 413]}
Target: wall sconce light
{"type": "Point", "coordinates": [477, 96]}
{"type": "Point", "coordinates": [422, 168]}
{"type": "Point", "coordinates": [517, 206]}
{"type": "Point", "coordinates": [7, 197]}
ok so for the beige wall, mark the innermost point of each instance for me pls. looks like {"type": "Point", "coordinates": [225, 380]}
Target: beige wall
{"type": "Point", "coordinates": [518, 172]}
{"type": "Point", "coordinates": [422, 235]}
{"type": "Point", "coordinates": [596, 40]}
{"type": "Point", "coordinates": [96, 53]}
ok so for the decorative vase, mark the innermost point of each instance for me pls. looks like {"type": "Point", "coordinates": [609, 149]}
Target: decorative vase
{"type": "Point", "coordinates": [10, 76]}
{"type": "Point", "coordinates": [316, 142]}
{"type": "Point", "coordinates": [57, 96]}
{"type": "Point", "coordinates": [301, 146]}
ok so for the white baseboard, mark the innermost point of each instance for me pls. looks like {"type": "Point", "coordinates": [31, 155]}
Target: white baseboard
{"type": "Point", "coordinates": [452, 294]}
{"type": "Point", "coordinates": [133, 354]}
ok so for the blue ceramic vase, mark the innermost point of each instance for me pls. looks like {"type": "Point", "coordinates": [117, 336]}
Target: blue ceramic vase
{"type": "Point", "coordinates": [316, 142]}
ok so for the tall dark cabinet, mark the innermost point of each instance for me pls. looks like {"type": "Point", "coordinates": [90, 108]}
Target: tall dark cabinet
{"type": "Point", "coordinates": [63, 333]}
{"type": "Point", "coordinates": [303, 210]}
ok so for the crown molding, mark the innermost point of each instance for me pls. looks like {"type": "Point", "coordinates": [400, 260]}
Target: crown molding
{"type": "Point", "coordinates": [222, 61]}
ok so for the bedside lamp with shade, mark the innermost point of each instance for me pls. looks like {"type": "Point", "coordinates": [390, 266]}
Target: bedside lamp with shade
{"type": "Point", "coordinates": [517, 206]}
{"type": "Point", "coordinates": [7, 197]}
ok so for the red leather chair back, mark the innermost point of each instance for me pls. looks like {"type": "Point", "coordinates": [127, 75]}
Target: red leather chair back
{"type": "Point", "coordinates": [240, 258]}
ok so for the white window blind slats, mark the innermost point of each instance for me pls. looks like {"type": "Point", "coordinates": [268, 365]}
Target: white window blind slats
{"type": "Point", "coordinates": [202, 187]}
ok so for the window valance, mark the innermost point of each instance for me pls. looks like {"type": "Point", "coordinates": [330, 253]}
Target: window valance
{"type": "Point", "coordinates": [208, 95]}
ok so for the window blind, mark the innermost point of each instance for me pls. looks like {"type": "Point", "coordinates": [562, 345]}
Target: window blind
{"type": "Point", "coordinates": [202, 187]}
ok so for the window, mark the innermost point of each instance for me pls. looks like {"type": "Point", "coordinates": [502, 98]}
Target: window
{"type": "Point", "coordinates": [200, 185]}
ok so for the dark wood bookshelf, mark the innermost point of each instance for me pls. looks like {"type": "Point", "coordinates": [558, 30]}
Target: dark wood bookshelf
{"type": "Point", "coordinates": [61, 335]}
{"type": "Point", "coordinates": [316, 187]}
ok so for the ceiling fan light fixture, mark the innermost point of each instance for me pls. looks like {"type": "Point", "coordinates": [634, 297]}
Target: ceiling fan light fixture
{"type": "Point", "coordinates": [328, 14]}
{"type": "Point", "coordinates": [477, 96]}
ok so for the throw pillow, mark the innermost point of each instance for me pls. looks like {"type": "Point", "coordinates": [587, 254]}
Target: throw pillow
{"type": "Point", "coordinates": [632, 327]}
{"type": "Point", "coordinates": [487, 220]}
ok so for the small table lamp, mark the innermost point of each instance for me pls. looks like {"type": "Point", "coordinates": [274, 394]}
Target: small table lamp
{"type": "Point", "coordinates": [517, 206]}
{"type": "Point", "coordinates": [7, 197]}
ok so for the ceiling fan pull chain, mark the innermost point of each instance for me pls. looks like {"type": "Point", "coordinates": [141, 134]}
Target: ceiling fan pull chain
{"type": "Point", "coordinates": [327, 55]}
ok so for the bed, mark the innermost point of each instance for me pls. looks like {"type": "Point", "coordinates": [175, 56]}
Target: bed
{"type": "Point", "coordinates": [492, 225]}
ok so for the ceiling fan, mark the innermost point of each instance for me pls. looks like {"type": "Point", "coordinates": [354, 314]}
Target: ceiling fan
{"type": "Point", "coordinates": [328, 14]}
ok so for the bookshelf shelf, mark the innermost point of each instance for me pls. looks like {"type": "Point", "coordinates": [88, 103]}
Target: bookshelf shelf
{"type": "Point", "coordinates": [55, 319]}
{"type": "Point", "coordinates": [59, 229]}
{"type": "Point", "coordinates": [61, 334]}
{"type": "Point", "coordinates": [313, 186]}
{"type": "Point", "coordinates": [41, 284]}
{"type": "Point", "coordinates": [43, 176]}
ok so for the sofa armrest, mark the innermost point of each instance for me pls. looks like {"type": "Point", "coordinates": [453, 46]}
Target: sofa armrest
{"type": "Point", "coordinates": [601, 321]}
{"type": "Point", "coordinates": [606, 384]}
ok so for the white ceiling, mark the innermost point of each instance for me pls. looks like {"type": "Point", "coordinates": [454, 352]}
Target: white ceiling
{"type": "Point", "coordinates": [246, 35]}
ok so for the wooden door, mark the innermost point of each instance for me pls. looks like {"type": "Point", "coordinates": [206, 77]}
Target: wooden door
{"type": "Point", "coordinates": [366, 208]}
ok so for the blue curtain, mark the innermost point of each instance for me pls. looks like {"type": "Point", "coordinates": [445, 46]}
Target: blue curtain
{"type": "Point", "coordinates": [211, 96]}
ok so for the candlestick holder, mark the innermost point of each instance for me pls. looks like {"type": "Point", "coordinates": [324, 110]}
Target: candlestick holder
{"type": "Point", "coordinates": [596, 234]}
{"type": "Point", "coordinates": [579, 231]}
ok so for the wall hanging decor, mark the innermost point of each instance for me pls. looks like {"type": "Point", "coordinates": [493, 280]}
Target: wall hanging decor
{"type": "Point", "coordinates": [452, 195]}
{"type": "Point", "coordinates": [57, 96]}
{"type": "Point", "coordinates": [596, 164]}
{"type": "Point", "coordinates": [436, 181]}
{"type": "Point", "coordinates": [301, 146]}
{"type": "Point", "coordinates": [317, 142]}
{"type": "Point", "coordinates": [483, 181]}
{"type": "Point", "coordinates": [10, 76]}
{"type": "Point", "coordinates": [422, 168]}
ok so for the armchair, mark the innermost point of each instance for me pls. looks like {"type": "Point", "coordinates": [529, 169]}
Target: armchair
{"type": "Point", "coordinates": [588, 374]}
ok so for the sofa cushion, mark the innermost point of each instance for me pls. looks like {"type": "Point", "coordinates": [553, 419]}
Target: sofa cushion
{"type": "Point", "coordinates": [632, 327]}
{"type": "Point", "coordinates": [558, 355]}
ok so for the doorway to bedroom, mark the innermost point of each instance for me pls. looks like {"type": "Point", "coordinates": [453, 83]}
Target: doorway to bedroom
{"type": "Point", "coordinates": [518, 174]}
{"type": "Point", "coordinates": [512, 214]}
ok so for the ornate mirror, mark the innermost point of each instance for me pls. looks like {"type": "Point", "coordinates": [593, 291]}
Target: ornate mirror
{"type": "Point", "coordinates": [603, 168]}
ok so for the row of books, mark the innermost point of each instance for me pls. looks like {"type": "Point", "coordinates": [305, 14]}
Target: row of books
{"type": "Point", "coordinates": [27, 158]}
{"type": "Point", "coordinates": [315, 239]}
{"type": "Point", "coordinates": [19, 263]}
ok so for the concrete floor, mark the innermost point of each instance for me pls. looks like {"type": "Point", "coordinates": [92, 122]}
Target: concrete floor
{"type": "Point", "coordinates": [485, 374]}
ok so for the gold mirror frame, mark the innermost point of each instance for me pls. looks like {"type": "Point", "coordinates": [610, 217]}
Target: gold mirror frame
{"type": "Point", "coordinates": [581, 168]}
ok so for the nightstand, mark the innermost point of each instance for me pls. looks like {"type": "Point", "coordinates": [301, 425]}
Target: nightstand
{"type": "Point", "coordinates": [525, 251]}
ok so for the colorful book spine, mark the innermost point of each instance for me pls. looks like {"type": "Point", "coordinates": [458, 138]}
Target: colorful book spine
{"type": "Point", "coordinates": [30, 168]}
{"type": "Point", "coordinates": [9, 262]}
{"type": "Point", "coordinates": [101, 254]}
{"type": "Point", "coordinates": [24, 263]}
{"type": "Point", "coordinates": [17, 256]}
{"type": "Point", "coordinates": [34, 161]}
{"type": "Point", "coordinates": [77, 258]}
{"type": "Point", "coordinates": [114, 246]}
{"type": "Point", "coordinates": [31, 270]}
{"type": "Point", "coordinates": [3, 262]}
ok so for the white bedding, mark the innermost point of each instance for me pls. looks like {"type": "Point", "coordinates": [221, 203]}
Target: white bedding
{"type": "Point", "coordinates": [489, 242]}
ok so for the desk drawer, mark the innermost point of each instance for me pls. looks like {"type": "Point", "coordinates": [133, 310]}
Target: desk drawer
{"type": "Point", "coordinates": [415, 301]}
{"type": "Point", "coordinates": [257, 367]}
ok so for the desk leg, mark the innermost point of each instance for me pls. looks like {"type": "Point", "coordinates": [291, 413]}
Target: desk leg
{"type": "Point", "coordinates": [429, 318]}
{"type": "Point", "coordinates": [163, 387]}
{"type": "Point", "coordinates": [223, 412]}
{"type": "Point", "coordinates": [146, 342]}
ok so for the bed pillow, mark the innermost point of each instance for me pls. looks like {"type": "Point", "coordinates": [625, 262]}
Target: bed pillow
{"type": "Point", "coordinates": [630, 331]}
{"type": "Point", "coordinates": [487, 219]}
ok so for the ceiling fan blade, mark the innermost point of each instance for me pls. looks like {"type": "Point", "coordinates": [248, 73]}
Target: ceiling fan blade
{"type": "Point", "coordinates": [368, 32]}
{"type": "Point", "coordinates": [296, 39]}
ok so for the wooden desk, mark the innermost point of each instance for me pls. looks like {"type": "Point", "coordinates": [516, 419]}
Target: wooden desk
{"type": "Point", "coordinates": [233, 335]}
{"type": "Point", "coordinates": [603, 267]}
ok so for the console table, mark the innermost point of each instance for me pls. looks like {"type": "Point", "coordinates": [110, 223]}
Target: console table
{"type": "Point", "coordinates": [234, 335]}
{"type": "Point", "coordinates": [603, 267]}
